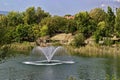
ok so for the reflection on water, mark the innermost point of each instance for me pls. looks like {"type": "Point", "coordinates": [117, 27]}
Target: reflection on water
{"type": "Point", "coordinates": [83, 69]}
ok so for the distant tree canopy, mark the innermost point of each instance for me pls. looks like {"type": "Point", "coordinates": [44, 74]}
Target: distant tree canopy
{"type": "Point", "coordinates": [33, 16]}
{"type": "Point", "coordinates": [35, 22]}
{"type": "Point", "coordinates": [24, 25]}
{"type": "Point", "coordinates": [55, 24]}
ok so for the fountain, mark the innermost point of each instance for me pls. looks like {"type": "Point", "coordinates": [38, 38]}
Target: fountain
{"type": "Point", "coordinates": [48, 53]}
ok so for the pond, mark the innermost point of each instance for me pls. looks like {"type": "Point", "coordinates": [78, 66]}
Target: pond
{"type": "Point", "coordinates": [84, 68]}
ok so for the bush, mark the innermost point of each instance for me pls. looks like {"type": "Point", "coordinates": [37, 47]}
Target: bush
{"type": "Point", "coordinates": [108, 42]}
{"type": "Point", "coordinates": [78, 40]}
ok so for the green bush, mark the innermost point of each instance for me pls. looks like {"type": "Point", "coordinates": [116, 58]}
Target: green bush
{"type": "Point", "coordinates": [108, 42]}
{"type": "Point", "coordinates": [78, 40]}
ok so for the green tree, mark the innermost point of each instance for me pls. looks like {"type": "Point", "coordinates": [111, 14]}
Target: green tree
{"type": "Point", "coordinates": [117, 22]}
{"type": "Point", "coordinates": [110, 21]}
{"type": "Point", "coordinates": [24, 33]}
{"type": "Point", "coordinates": [30, 16]}
{"type": "Point", "coordinates": [55, 24]}
{"type": "Point", "coordinates": [40, 14]}
{"type": "Point", "coordinates": [6, 36]}
{"type": "Point", "coordinates": [36, 31]}
{"type": "Point", "coordinates": [97, 15]}
{"type": "Point", "coordinates": [71, 26]}
{"type": "Point", "coordinates": [44, 30]}
{"type": "Point", "coordinates": [100, 32]}
{"type": "Point", "coordinates": [14, 18]}
{"type": "Point", "coordinates": [85, 24]}
{"type": "Point", "coordinates": [3, 21]}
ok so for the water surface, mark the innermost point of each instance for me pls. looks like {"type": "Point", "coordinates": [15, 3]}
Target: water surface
{"type": "Point", "coordinates": [84, 68]}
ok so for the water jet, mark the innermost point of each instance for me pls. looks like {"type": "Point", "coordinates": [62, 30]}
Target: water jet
{"type": "Point", "coordinates": [49, 52]}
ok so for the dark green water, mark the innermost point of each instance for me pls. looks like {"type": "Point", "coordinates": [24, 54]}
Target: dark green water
{"type": "Point", "coordinates": [84, 68]}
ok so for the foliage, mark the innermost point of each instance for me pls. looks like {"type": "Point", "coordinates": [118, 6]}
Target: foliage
{"type": "Point", "coordinates": [40, 14]}
{"type": "Point", "coordinates": [44, 30]}
{"type": "Point", "coordinates": [110, 21]}
{"type": "Point", "coordinates": [71, 26]}
{"type": "Point", "coordinates": [55, 24]}
{"type": "Point", "coordinates": [85, 24]}
{"type": "Point", "coordinates": [98, 15]}
{"type": "Point", "coordinates": [117, 22]}
{"type": "Point", "coordinates": [108, 42]}
{"type": "Point", "coordinates": [24, 32]}
{"type": "Point", "coordinates": [108, 77]}
{"type": "Point", "coordinates": [71, 78]}
{"type": "Point", "coordinates": [14, 18]}
{"type": "Point", "coordinates": [6, 35]}
{"type": "Point", "coordinates": [78, 40]}
{"type": "Point", "coordinates": [3, 21]}
{"type": "Point", "coordinates": [100, 32]}
{"type": "Point", "coordinates": [29, 17]}
{"type": "Point", "coordinates": [33, 16]}
{"type": "Point", "coordinates": [106, 28]}
{"type": "Point", "coordinates": [36, 31]}
{"type": "Point", "coordinates": [35, 22]}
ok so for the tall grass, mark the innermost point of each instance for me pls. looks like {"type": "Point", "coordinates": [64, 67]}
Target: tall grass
{"type": "Point", "coordinates": [10, 50]}
{"type": "Point", "coordinates": [95, 51]}
{"type": "Point", "coordinates": [22, 46]}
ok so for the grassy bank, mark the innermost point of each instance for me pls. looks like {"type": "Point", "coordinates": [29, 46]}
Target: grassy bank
{"type": "Point", "coordinates": [14, 49]}
{"type": "Point", "coordinates": [88, 50]}
{"type": "Point", "coordinates": [95, 51]}
{"type": "Point", "coordinates": [25, 46]}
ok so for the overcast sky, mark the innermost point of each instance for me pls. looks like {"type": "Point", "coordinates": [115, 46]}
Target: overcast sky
{"type": "Point", "coordinates": [57, 7]}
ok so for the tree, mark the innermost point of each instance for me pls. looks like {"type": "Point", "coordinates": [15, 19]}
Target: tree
{"type": "Point", "coordinates": [71, 26]}
{"type": "Point", "coordinates": [40, 14]}
{"type": "Point", "coordinates": [97, 15]}
{"type": "Point", "coordinates": [33, 15]}
{"type": "Point", "coordinates": [3, 21]}
{"type": "Point", "coordinates": [110, 21]}
{"type": "Point", "coordinates": [100, 31]}
{"type": "Point", "coordinates": [85, 24]}
{"type": "Point", "coordinates": [55, 24]}
{"type": "Point", "coordinates": [30, 16]}
{"type": "Point", "coordinates": [14, 18]}
{"type": "Point", "coordinates": [24, 33]}
{"type": "Point", "coordinates": [44, 30]}
{"type": "Point", "coordinates": [117, 22]}
{"type": "Point", "coordinates": [36, 31]}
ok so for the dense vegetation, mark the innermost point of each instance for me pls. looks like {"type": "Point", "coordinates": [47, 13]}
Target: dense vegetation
{"type": "Point", "coordinates": [34, 23]}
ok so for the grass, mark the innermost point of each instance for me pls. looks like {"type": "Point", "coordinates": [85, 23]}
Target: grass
{"type": "Point", "coordinates": [11, 50]}
{"type": "Point", "coordinates": [95, 51]}
{"type": "Point", "coordinates": [22, 46]}
{"type": "Point", "coordinates": [88, 50]}
{"type": "Point", "coordinates": [108, 77]}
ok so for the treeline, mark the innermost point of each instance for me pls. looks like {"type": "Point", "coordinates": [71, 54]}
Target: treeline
{"type": "Point", "coordinates": [34, 23]}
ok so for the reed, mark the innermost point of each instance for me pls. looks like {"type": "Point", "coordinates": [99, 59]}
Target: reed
{"type": "Point", "coordinates": [95, 51]}
{"type": "Point", "coordinates": [22, 46]}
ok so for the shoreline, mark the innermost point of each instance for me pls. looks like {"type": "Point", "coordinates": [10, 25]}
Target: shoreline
{"type": "Point", "coordinates": [88, 50]}
{"type": "Point", "coordinates": [95, 51]}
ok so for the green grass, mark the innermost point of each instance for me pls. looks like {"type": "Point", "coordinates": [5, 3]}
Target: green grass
{"type": "Point", "coordinates": [11, 50]}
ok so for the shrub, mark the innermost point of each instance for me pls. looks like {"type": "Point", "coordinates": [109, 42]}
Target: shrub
{"type": "Point", "coordinates": [78, 40]}
{"type": "Point", "coordinates": [108, 42]}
